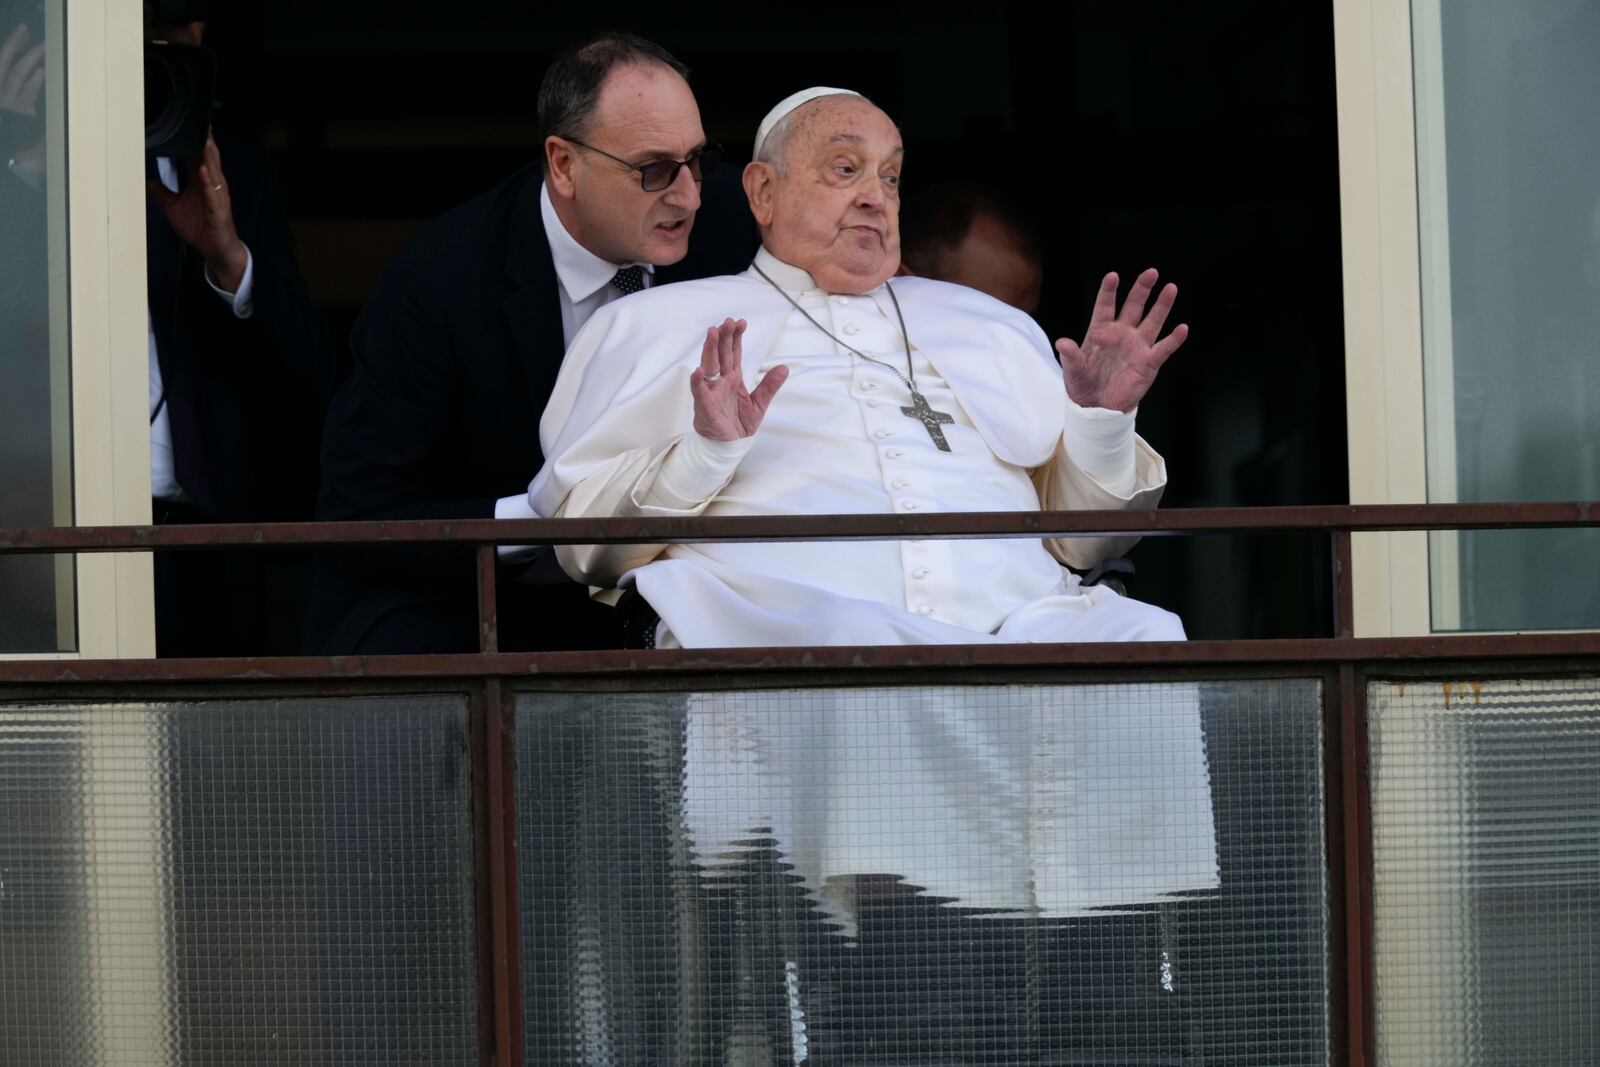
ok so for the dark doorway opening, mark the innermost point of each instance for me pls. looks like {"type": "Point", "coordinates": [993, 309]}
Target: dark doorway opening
{"type": "Point", "coordinates": [1199, 139]}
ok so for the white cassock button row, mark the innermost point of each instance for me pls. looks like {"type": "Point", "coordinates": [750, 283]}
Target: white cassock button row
{"type": "Point", "coordinates": [899, 483]}
{"type": "Point", "coordinates": [869, 384]}
{"type": "Point", "coordinates": [872, 403]}
{"type": "Point", "coordinates": [842, 301]}
{"type": "Point", "coordinates": [851, 329]}
{"type": "Point", "coordinates": [892, 453]}
{"type": "Point", "coordinates": [920, 572]}
{"type": "Point", "coordinates": [925, 609]}
{"type": "Point", "coordinates": [880, 432]}
{"type": "Point", "coordinates": [908, 505]}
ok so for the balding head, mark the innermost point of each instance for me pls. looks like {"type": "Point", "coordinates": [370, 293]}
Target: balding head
{"type": "Point", "coordinates": [825, 191]}
{"type": "Point", "coordinates": [962, 234]}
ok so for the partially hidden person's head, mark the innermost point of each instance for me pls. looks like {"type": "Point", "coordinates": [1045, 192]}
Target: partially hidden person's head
{"type": "Point", "coordinates": [176, 21]}
{"type": "Point", "coordinates": [965, 235]}
{"type": "Point", "coordinates": [617, 118]}
{"type": "Point", "coordinates": [825, 188]}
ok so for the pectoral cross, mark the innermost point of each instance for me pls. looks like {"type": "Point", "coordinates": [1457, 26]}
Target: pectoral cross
{"type": "Point", "coordinates": [923, 412]}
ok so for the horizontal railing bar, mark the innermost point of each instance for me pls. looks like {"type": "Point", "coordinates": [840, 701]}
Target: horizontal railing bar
{"type": "Point", "coordinates": [998, 524]}
{"type": "Point", "coordinates": [662, 662]}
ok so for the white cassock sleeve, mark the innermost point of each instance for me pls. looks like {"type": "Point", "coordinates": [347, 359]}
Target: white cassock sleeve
{"type": "Point", "coordinates": [619, 434]}
{"type": "Point", "coordinates": [1079, 459]}
{"type": "Point", "coordinates": [1100, 465]}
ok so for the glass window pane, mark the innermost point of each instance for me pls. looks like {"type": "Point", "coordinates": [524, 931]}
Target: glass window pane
{"type": "Point", "coordinates": [36, 592]}
{"type": "Point", "coordinates": [1486, 880]}
{"type": "Point", "coordinates": [283, 881]}
{"type": "Point", "coordinates": [1508, 157]}
{"type": "Point", "coordinates": [1106, 874]}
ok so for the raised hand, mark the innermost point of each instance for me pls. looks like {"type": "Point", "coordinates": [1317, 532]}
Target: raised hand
{"type": "Point", "coordinates": [202, 217]}
{"type": "Point", "coordinates": [1122, 351]}
{"type": "Point", "coordinates": [724, 410]}
{"type": "Point", "coordinates": [21, 91]}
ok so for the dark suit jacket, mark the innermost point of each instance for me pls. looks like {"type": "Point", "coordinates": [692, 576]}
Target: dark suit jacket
{"type": "Point", "coordinates": [245, 400]}
{"type": "Point", "coordinates": [256, 389]}
{"type": "Point", "coordinates": [455, 355]}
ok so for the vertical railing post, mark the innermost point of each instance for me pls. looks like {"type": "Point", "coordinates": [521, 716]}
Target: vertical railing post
{"type": "Point", "coordinates": [488, 610]}
{"type": "Point", "coordinates": [1335, 829]}
{"type": "Point", "coordinates": [505, 936]}
{"type": "Point", "coordinates": [482, 899]}
{"type": "Point", "coordinates": [1357, 828]}
{"type": "Point", "coordinates": [1344, 597]}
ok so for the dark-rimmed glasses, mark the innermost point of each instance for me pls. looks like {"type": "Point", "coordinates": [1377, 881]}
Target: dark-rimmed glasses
{"type": "Point", "coordinates": [660, 173]}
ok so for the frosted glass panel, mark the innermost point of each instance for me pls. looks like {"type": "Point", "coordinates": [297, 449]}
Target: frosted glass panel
{"type": "Point", "coordinates": [1075, 874]}
{"type": "Point", "coordinates": [236, 882]}
{"type": "Point", "coordinates": [1509, 194]}
{"type": "Point", "coordinates": [1486, 851]}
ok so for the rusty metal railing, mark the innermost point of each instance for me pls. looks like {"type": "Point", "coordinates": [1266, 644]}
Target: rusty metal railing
{"type": "Point", "coordinates": [1336, 522]}
{"type": "Point", "coordinates": [1343, 663]}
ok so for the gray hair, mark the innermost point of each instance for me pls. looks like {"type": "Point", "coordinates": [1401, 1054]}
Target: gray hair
{"type": "Point", "coordinates": [775, 149]}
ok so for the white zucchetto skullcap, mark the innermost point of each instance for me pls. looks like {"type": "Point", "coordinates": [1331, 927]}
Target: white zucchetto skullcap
{"type": "Point", "coordinates": [788, 104]}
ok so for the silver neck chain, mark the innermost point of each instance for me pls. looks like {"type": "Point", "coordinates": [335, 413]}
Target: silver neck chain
{"type": "Point", "coordinates": [909, 378]}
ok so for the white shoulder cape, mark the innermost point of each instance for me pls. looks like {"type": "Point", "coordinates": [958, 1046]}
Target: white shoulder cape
{"type": "Point", "coordinates": [624, 382]}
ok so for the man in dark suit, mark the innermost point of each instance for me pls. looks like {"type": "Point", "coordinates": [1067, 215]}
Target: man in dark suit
{"type": "Point", "coordinates": [241, 371]}
{"type": "Point", "coordinates": [457, 349]}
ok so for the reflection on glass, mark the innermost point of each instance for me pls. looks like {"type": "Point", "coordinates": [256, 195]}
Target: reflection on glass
{"type": "Point", "coordinates": [36, 606]}
{"type": "Point", "coordinates": [1509, 193]}
{"type": "Point", "coordinates": [1020, 874]}
{"type": "Point", "coordinates": [1034, 802]}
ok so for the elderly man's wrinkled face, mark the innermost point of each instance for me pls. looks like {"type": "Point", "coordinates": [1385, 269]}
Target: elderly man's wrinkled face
{"type": "Point", "coordinates": [835, 210]}
{"type": "Point", "coordinates": [645, 113]}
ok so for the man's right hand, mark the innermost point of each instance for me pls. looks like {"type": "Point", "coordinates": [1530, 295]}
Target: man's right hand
{"type": "Point", "coordinates": [202, 217]}
{"type": "Point", "coordinates": [724, 410]}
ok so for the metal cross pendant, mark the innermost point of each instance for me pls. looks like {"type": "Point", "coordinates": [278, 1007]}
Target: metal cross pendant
{"type": "Point", "coordinates": [923, 412]}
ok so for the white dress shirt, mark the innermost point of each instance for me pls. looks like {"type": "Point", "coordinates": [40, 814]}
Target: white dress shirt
{"type": "Point", "coordinates": [585, 284]}
{"type": "Point", "coordinates": [163, 471]}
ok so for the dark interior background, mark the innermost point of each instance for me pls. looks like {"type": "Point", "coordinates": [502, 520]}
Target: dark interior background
{"type": "Point", "coordinates": [1199, 139]}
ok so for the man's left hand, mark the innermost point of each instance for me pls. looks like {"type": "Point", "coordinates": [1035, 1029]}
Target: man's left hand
{"type": "Point", "coordinates": [202, 217]}
{"type": "Point", "coordinates": [1122, 351]}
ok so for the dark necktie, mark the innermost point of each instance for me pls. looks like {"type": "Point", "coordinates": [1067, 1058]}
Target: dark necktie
{"type": "Point", "coordinates": [629, 280]}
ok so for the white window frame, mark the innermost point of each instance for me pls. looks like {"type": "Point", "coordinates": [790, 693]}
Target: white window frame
{"type": "Point", "coordinates": [95, 64]}
{"type": "Point", "coordinates": [1383, 307]}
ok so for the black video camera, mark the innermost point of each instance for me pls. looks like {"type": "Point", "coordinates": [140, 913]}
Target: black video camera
{"type": "Point", "coordinates": [180, 83]}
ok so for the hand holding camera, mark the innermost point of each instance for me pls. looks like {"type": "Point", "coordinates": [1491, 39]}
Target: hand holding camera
{"type": "Point", "coordinates": [179, 90]}
{"type": "Point", "coordinates": [201, 214]}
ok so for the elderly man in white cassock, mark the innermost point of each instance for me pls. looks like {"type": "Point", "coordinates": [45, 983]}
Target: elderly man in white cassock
{"type": "Point", "coordinates": [831, 390]}
{"type": "Point", "coordinates": [813, 384]}
{"type": "Point", "coordinates": [826, 388]}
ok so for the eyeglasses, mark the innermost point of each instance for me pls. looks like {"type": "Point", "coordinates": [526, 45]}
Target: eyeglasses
{"type": "Point", "coordinates": [660, 173]}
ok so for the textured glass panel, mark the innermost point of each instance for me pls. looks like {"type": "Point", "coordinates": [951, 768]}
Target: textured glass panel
{"type": "Point", "coordinates": [1486, 845]}
{"type": "Point", "coordinates": [36, 592]}
{"type": "Point", "coordinates": [1089, 874]}
{"type": "Point", "coordinates": [230, 883]}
